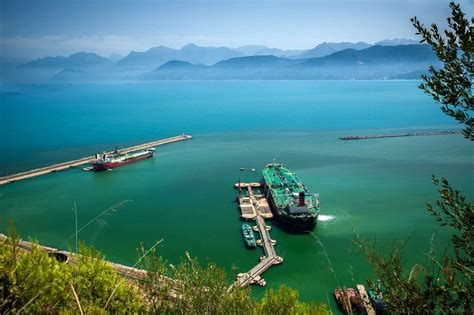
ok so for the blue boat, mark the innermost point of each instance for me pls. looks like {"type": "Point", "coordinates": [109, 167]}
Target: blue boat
{"type": "Point", "coordinates": [249, 236]}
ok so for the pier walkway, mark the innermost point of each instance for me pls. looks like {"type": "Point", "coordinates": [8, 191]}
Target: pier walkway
{"type": "Point", "coordinates": [270, 257]}
{"type": "Point", "coordinates": [65, 165]}
{"type": "Point", "coordinates": [369, 309]}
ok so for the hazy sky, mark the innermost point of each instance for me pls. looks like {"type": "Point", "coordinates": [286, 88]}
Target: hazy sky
{"type": "Point", "coordinates": [35, 28]}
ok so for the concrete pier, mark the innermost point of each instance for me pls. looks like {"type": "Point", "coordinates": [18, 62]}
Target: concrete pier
{"type": "Point", "coordinates": [410, 134]}
{"type": "Point", "coordinates": [62, 166]}
{"type": "Point", "coordinates": [256, 207]}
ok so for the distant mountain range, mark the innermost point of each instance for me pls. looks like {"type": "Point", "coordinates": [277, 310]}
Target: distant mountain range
{"type": "Point", "coordinates": [259, 50]}
{"type": "Point", "coordinates": [376, 62]}
{"type": "Point", "coordinates": [115, 57]}
{"type": "Point", "coordinates": [396, 57]}
{"type": "Point", "coordinates": [46, 68]}
{"type": "Point", "coordinates": [396, 41]}
{"type": "Point", "coordinates": [80, 59]}
{"type": "Point", "coordinates": [156, 56]}
{"type": "Point", "coordinates": [326, 49]}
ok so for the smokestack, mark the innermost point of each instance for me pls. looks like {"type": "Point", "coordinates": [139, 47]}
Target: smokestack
{"type": "Point", "coordinates": [301, 195]}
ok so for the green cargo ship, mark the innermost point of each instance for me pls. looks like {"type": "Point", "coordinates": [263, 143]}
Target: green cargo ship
{"type": "Point", "coordinates": [290, 200]}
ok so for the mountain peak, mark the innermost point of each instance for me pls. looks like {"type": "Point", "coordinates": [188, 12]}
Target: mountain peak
{"type": "Point", "coordinates": [327, 48]}
{"type": "Point", "coordinates": [396, 42]}
{"type": "Point", "coordinates": [79, 59]}
{"type": "Point", "coordinates": [190, 45]}
{"type": "Point", "coordinates": [173, 64]}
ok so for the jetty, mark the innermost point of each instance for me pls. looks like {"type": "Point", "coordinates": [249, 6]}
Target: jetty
{"type": "Point", "coordinates": [369, 309]}
{"type": "Point", "coordinates": [255, 207]}
{"type": "Point", "coordinates": [252, 205]}
{"type": "Point", "coordinates": [86, 160]}
{"type": "Point", "coordinates": [409, 134]}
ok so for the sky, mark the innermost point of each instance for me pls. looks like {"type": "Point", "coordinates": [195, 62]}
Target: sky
{"type": "Point", "coordinates": [37, 28]}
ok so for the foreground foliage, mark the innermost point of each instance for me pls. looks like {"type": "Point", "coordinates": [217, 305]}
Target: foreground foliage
{"type": "Point", "coordinates": [198, 289]}
{"type": "Point", "coordinates": [34, 282]}
{"type": "Point", "coordinates": [445, 283]}
{"type": "Point", "coordinates": [451, 86]}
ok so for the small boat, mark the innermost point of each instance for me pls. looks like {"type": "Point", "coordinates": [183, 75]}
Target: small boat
{"type": "Point", "coordinates": [377, 300]}
{"type": "Point", "coordinates": [348, 300]}
{"type": "Point", "coordinates": [249, 236]}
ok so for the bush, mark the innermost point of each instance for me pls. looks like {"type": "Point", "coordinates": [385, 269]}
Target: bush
{"type": "Point", "coordinates": [34, 282]}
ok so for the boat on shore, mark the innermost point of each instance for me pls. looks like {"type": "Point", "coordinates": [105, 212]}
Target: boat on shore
{"type": "Point", "coordinates": [249, 236]}
{"type": "Point", "coordinates": [104, 162]}
{"type": "Point", "coordinates": [378, 301]}
{"type": "Point", "coordinates": [290, 200]}
{"type": "Point", "coordinates": [348, 300]}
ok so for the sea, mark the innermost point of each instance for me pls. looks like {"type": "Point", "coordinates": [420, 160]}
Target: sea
{"type": "Point", "coordinates": [185, 195]}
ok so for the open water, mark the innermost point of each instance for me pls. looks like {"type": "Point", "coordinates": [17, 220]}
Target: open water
{"type": "Point", "coordinates": [185, 195]}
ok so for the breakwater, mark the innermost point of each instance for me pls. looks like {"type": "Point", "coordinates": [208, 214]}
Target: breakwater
{"type": "Point", "coordinates": [409, 134]}
{"type": "Point", "coordinates": [65, 165]}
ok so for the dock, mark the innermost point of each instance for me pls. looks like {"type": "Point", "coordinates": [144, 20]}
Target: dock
{"type": "Point", "coordinates": [252, 205]}
{"type": "Point", "coordinates": [255, 207]}
{"type": "Point", "coordinates": [365, 300]}
{"type": "Point", "coordinates": [66, 165]}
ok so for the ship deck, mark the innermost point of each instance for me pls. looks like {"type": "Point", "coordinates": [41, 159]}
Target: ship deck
{"type": "Point", "coordinates": [285, 186]}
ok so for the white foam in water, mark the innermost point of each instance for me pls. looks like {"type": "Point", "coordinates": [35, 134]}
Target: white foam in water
{"type": "Point", "coordinates": [325, 218]}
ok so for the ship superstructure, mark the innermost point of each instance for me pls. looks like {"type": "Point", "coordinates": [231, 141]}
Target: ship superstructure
{"type": "Point", "coordinates": [291, 202]}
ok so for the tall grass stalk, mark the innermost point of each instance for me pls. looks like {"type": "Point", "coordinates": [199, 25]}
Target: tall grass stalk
{"type": "Point", "coordinates": [134, 266]}
{"type": "Point", "coordinates": [77, 299]}
{"type": "Point", "coordinates": [98, 218]}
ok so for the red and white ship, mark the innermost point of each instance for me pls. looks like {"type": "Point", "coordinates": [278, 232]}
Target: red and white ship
{"type": "Point", "coordinates": [109, 161]}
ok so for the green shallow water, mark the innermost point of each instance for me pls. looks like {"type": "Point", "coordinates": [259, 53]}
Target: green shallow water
{"type": "Point", "coordinates": [185, 195]}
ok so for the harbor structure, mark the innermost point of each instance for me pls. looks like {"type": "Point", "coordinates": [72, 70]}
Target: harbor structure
{"type": "Point", "coordinates": [408, 134]}
{"type": "Point", "coordinates": [87, 160]}
{"type": "Point", "coordinates": [255, 207]}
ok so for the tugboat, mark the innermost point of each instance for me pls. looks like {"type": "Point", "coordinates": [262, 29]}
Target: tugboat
{"type": "Point", "coordinates": [104, 162]}
{"type": "Point", "coordinates": [292, 204]}
{"type": "Point", "coordinates": [249, 236]}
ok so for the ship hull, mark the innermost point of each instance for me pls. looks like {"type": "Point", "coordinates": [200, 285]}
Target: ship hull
{"type": "Point", "coordinates": [290, 224]}
{"type": "Point", "coordinates": [97, 167]}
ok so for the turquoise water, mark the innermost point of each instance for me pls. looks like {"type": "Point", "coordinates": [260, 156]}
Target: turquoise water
{"type": "Point", "coordinates": [185, 194]}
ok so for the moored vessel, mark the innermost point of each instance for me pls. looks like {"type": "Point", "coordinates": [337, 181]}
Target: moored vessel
{"type": "Point", "coordinates": [348, 300]}
{"type": "Point", "coordinates": [104, 162]}
{"type": "Point", "coordinates": [249, 236]}
{"type": "Point", "coordinates": [291, 202]}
